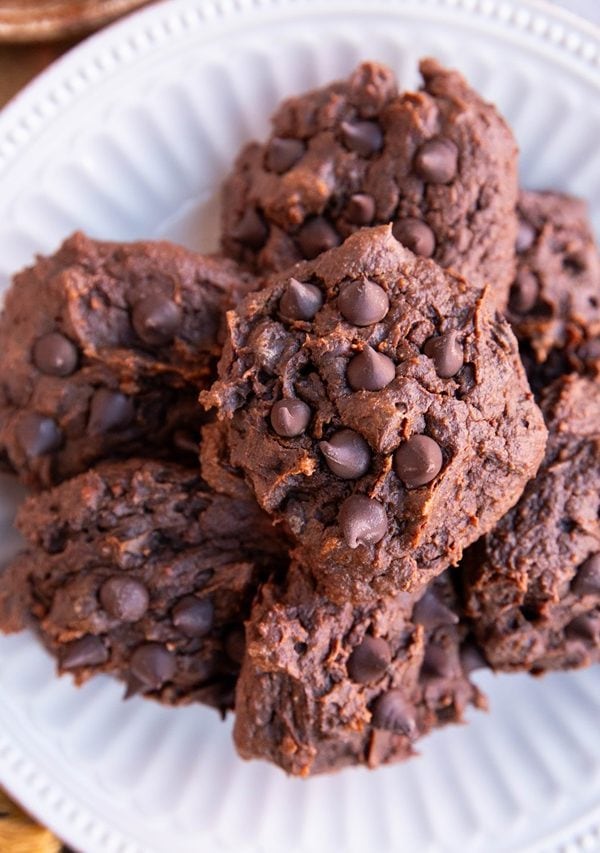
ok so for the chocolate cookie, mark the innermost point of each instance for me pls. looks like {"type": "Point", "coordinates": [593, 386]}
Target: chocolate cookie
{"type": "Point", "coordinates": [138, 570]}
{"type": "Point", "coordinates": [325, 686]}
{"type": "Point", "coordinates": [105, 346]}
{"type": "Point", "coordinates": [378, 407]}
{"type": "Point", "coordinates": [532, 587]}
{"type": "Point", "coordinates": [554, 304]}
{"type": "Point", "coordinates": [439, 163]}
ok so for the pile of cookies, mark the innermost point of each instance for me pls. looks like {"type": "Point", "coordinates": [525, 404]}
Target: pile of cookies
{"type": "Point", "coordinates": [390, 378]}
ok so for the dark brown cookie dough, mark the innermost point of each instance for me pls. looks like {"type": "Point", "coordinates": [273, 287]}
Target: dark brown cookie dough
{"type": "Point", "coordinates": [554, 305]}
{"type": "Point", "coordinates": [385, 448]}
{"type": "Point", "coordinates": [532, 586]}
{"type": "Point", "coordinates": [439, 163]}
{"type": "Point", "coordinates": [138, 570]}
{"type": "Point", "coordinates": [104, 348]}
{"type": "Point", "coordinates": [325, 686]}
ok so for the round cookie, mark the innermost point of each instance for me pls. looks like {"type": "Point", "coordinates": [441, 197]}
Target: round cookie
{"type": "Point", "coordinates": [138, 570]}
{"type": "Point", "coordinates": [439, 163]}
{"type": "Point", "coordinates": [554, 305]}
{"type": "Point", "coordinates": [382, 465]}
{"type": "Point", "coordinates": [105, 346]}
{"type": "Point", "coordinates": [324, 686]}
{"type": "Point", "coordinates": [532, 586]}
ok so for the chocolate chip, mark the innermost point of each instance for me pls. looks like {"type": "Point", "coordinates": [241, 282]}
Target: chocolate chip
{"type": "Point", "coordinates": [525, 236]}
{"type": "Point", "coordinates": [446, 353]}
{"type": "Point", "coordinates": [363, 521]}
{"type": "Point", "coordinates": [283, 153]}
{"type": "Point", "coordinates": [347, 454]}
{"type": "Point", "coordinates": [364, 137]}
{"type": "Point", "coordinates": [391, 711]}
{"type": "Point", "coordinates": [370, 370]}
{"type": "Point", "coordinates": [251, 229]}
{"type": "Point", "coordinates": [235, 644]}
{"type": "Point", "coordinates": [38, 435]}
{"type": "Point", "coordinates": [430, 612]}
{"type": "Point", "coordinates": [55, 355]}
{"type": "Point", "coordinates": [109, 410]}
{"type": "Point", "coordinates": [587, 579]}
{"type": "Point", "coordinates": [472, 659]}
{"type": "Point", "coordinates": [369, 661]}
{"type": "Point", "coordinates": [87, 651]}
{"type": "Point", "coordinates": [152, 665]}
{"type": "Point", "coordinates": [124, 598]}
{"type": "Point", "coordinates": [156, 319]}
{"type": "Point", "coordinates": [363, 302]}
{"type": "Point", "coordinates": [436, 160]}
{"type": "Point", "coordinates": [300, 301]}
{"type": "Point", "coordinates": [418, 461]}
{"type": "Point", "coordinates": [584, 627]}
{"type": "Point", "coordinates": [193, 616]}
{"type": "Point", "coordinates": [316, 236]}
{"type": "Point", "coordinates": [416, 235]}
{"type": "Point", "coordinates": [290, 417]}
{"type": "Point", "coordinates": [437, 663]}
{"type": "Point", "coordinates": [524, 292]}
{"type": "Point", "coordinates": [360, 209]}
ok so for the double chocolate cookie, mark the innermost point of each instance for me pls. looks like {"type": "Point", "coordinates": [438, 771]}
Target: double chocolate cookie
{"type": "Point", "coordinates": [324, 686]}
{"type": "Point", "coordinates": [105, 346]}
{"type": "Point", "coordinates": [440, 164]}
{"type": "Point", "coordinates": [554, 304]}
{"type": "Point", "coordinates": [138, 570]}
{"type": "Point", "coordinates": [532, 586]}
{"type": "Point", "coordinates": [378, 407]}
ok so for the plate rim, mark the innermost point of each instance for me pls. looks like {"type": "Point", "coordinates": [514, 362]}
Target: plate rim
{"type": "Point", "coordinates": [85, 66]}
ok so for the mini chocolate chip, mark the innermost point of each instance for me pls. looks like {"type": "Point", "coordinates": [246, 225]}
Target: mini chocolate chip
{"type": "Point", "coordinates": [472, 659]}
{"type": "Point", "coordinates": [418, 461]}
{"type": "Point", "coordinates": [347, 454]}
{"type": "Point", "coordinates": [283, 153]}
{"type": "Point", "coordinates": [446, 353]}
{"type": "Point", "coordinates": [524, 292]}
{"type": "Point", "coordinates": [290, 417]}
{"type": "Point", "coordinates": [363, 302]}
{"type": "Point", "coordinates": [38, 435]}
{"type": "Point", "coordinates": [370, 370]}
{"type": "Point", "coordinates": [300, 301]}
{"type": "Point", "coordinates": [87, 651]}
{"type": "Point", "coordinates": [391, 711]}
{"type": "Point", "coordinates": [363, 521]}
{"type": "Point", "coordinates": [525, 236]}
{"type": "Point", "coordinates": [437, 663]}
{"type": "Point", "coordinates": [436, 160]}
{"type": "Point", "coordinates": [316, 236]}
{"type": "Point", "coordinates": [430, 612]}
{"type": "Point", "coordinates": [152, 665]}
{"type": "Point", "coordinates": [251, 229]}
{"type": "Point", "coordinates": [587, 579]}
{"type": "Point", "coordinates": [193, 616]}
{"type": "Point", "coordinates": [364, 137]}
{"type": "Point", "coordinates": [235, 644]}
{"type": "Point", "coordinates": [156, 319]}
{"type": "Point", "coordinates": [360, 209]}
{"type": "Point", "coordinates": [584, 627]}
{"type": "Point", "coordinates": [109, 410]}
{"type": "Point", "coordinates": [416, 235]}
{"type": "Point", "coordinates": [369, 661]}
{"type": "Point", "coordinates": [55, 355]}
{"type": "Point", "coordinates": [124, 598]}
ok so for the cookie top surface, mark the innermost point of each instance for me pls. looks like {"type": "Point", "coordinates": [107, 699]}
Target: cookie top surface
{"type": "Point", "coordinates": [391, 428]}
{"type": "Point", "coordinates": [554, 306]}
{"type": "Point", "coordinates": [324, 686]}
{"type": "Point", "coordinates": [104, 348]}
{"type": "Point", "coordinates": [439, 163]}
{"type": "Point", "coordinates": [141, 555]}
{"type": "Point", "coordinates": [532, 586]}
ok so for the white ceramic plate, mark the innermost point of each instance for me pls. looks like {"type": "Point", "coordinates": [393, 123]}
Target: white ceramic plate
{"type": "Point", "coordinates": [129, 136]}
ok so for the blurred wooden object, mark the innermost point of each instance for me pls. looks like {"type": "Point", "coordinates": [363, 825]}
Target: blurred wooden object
{"type": "Point", "coordinates": [19, 834]}
{"type": "Point", "coordinates": [43, 20]}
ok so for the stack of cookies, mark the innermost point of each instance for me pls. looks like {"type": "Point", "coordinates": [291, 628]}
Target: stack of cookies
{"type": "Point", "coordinates": [390, 378]}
